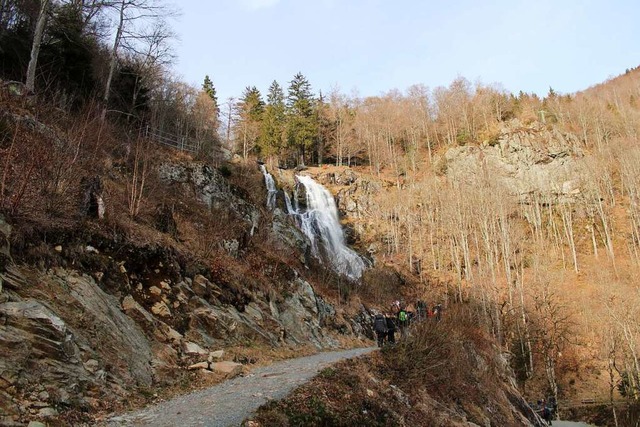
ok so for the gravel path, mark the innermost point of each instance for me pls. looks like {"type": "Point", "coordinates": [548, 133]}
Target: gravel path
{"type": "Point", "coordinates": [569, 424]}
{"type": "Point", "coordinates": [229, 403]}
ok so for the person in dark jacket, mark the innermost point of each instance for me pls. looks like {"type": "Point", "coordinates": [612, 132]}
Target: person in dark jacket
{"type": "Point", "coordinates": [391, 329]}
{"type": "Point", "coordinates": [437, 312]}
{"type": "Point", "coordinates": [380, 328]}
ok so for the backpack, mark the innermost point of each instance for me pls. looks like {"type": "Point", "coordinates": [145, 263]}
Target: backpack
{"type": "Point", "coordinates": [379, 323]}
{"type": "Point", "coordinates": [402, 316]}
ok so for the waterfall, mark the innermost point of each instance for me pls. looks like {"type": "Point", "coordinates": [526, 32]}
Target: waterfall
{"type": "Point", "coordinates": [320, 223]}
{"type": "Point", "coordinates": [272, 191]}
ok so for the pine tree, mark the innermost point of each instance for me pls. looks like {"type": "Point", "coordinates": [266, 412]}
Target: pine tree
{"type": "Point", "coordinates": [251, 103]}
{"type": "Point", "coordinates": [302, 125]}
{"type": "Point", "coordinates": [273, 122]}
{"type": "Point", "coordinates": [210, 90]}
{"type": "Point", "coordinates": [250, 112]}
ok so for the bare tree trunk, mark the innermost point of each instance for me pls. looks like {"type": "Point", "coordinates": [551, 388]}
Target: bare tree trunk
{"type": "Point", "coordinates": [612, 385]}
{"type": "Point", "coordinates": [35, 46]}
{"type": "Point", "coordinates": [567, 221]}
{"type": "Point", "coordinates": [550, 368]}
{"type": "Point", "coordinates": [114, 60]}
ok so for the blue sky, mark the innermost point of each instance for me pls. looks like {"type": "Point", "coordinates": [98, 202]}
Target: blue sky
{"type": "Point", "coordinates": [374, 46]}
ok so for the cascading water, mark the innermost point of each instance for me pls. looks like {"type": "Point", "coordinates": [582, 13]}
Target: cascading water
{"type": "Point", "coordinates": [320, 223]}
{"type": "Point", "coordinates": [272, 191]}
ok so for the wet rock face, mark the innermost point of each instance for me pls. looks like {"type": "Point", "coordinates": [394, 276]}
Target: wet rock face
{"type": "Point", "coordinates": [525, 160]}
{"type": "Point", "coordinates": [285, 235]}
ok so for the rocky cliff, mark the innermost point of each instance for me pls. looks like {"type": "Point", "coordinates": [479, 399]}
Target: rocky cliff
{"type": "Point", "coordinates": [526, 160]}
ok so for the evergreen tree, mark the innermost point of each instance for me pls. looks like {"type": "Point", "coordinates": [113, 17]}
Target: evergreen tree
{"type": "Point", "coordinates": [210, 90]}
{"type": "Point", "coordinates": [250, 112]}
{"type": "Point", "coordinates": [252, 104]}
{"type": "Point", "coordinates": [208, 87]}
{"type": "Point", "coordinates": [273, 122]}
{"type": "Point", "coordinates": [302, 126]}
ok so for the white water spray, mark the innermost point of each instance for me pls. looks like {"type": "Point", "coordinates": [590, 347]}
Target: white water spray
{"type": "Point", "coordinates": [320, 223]}
{"type": "Point", "coordinates": [272, 191]}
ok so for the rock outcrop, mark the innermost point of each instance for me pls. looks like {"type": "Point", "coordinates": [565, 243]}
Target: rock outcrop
{"type": "Point", "coordinates": [210, 188]}
{"type": "Point", "coordinates": [60, 330]}
{"type": "Point", "coordinates": [527, 160]}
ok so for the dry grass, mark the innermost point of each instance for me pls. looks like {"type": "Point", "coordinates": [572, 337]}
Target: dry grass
{"type": "Point", "coordinates": [447, 373]}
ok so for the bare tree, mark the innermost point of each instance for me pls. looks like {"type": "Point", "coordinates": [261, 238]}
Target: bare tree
{"type": "Point", "coordinates": [35, 46]}
{"type": "Point", "coordinates": [555, 329]}
{"type": "Point", "coordinates": [141, 29]}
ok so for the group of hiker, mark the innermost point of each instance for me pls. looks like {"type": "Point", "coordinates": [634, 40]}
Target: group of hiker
{"type": "Point", "coordinates": [546, 409]}
{"type": "Point", "coordinates": [398, 318]}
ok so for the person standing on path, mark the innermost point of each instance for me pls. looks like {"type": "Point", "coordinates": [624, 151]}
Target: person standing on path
{"type": "Point", "coordinates": [380, 328]}
{"type": "Point", "coordinates": [391, 328]}
{"type": "Point", "coordinates": [403, 322]}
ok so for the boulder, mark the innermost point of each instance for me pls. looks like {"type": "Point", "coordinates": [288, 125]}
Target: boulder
{"type": "Point", "coordinates": [216, 355]}
{"type": "Point", "coordinates": [230, 369]}
{"type": "Point", "coordinates": [48, 412]}
{"type": "Point", "coordinates": [201, 286]}
{"type": "Point", "coordinates": [199, 365]}
{"type": "Point", "coordinates": [231, 247]}
{"type": "Point", "coordinates": [161, 309]}
{"type": "Point", "coordinates": [193, 348]}
{"type": "Point", "coordinates": [91, 365]}
{"type": "Point", "coordinates": [166, 333]}
{"type": "Point", "coordinates": [136, 311]}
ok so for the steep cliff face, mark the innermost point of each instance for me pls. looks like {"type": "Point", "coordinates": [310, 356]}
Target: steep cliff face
{"type": "Point", "coordinates": [124, 316]}
{"type": "Point", "coordinates": [526, 161]}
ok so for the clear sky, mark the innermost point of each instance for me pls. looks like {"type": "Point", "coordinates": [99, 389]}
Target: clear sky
{"type": "Point", "coordinates": [378, 45]}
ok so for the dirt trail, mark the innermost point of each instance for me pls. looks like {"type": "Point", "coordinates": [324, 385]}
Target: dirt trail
{"type": "Point", "coordinates": [229, 403]}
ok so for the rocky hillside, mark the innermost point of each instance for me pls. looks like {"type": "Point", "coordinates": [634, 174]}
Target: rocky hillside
{"type": "Point", "coordinates": [98, 309]}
